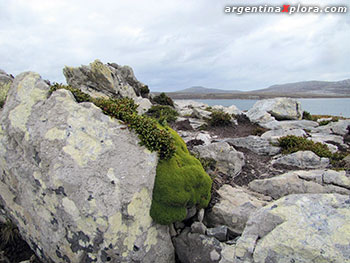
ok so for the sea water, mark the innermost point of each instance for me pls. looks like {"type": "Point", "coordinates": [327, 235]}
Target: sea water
{"type": "Point", "coordinates": [336, 107]}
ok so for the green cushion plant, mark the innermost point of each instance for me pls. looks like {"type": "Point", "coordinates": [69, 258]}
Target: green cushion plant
{"type": "Point", "coordinates": [181, 182]}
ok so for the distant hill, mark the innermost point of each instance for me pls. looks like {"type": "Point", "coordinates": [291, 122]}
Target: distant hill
{"type": "Point", "coordinates": [310, 87]}
{"type": "Point", "coordinates": [203, 90]}
{"type": "Point", "coordinates": [304, 89]}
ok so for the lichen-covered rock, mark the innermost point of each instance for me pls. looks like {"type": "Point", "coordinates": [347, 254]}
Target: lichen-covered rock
{"type": "Point", "coordinates": [101, 80]}
{"type": "Point", "coordinates": [278, 108]}
{"type": "Point", "coordinates": [255, 144]}
{"type": "Point", "coordinates": [305, 228]}
{"type": "Point", "coordinates": [230, 110]}
{"type": "Point", "coordinates": [75, 181]}
{"type": "Point", "coordinates": [302, 182]}
{"type": "Point", "coordinates": [234, 208]}
{"type": "Point", "coordinates": [302, 159]}
{"type": "Point", "coordinates": [228, 160]}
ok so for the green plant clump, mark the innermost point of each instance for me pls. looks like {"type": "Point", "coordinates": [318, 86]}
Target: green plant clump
{"type": "Point", "coordinates": [162, 113]}
{"type": "Point", "coordinates": [150, 133]}
{"type": "Point", "coordinates": [307, 116]}
{"type": "Point", "coordinates": [292, 143]}
{"type": "Point", "coordinates": [163, 99]}
{"type": "Point", "coordinates": [181, 182]}
{"type": "Point", "coordinates": [219, 119]}
{"type": "Point", "coordinates": [144, 91]}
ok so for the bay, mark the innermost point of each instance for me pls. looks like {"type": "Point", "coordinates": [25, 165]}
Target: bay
{"type": "Point", "coordinates": [336, 107]}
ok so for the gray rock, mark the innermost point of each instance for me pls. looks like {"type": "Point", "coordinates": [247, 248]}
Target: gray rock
{"type": "Point", "coordinates": [228, 160]}
{"type": "Point", "coordinates": [232, 110]}
{"type": "Point", "coordinates": [329, 139]}
{"type": "Point", "coordinates": [338, 128]}
{"type": "Point", "coordinates": [144, 105]}
{"type": "Point", "coordinates": [191, 212]}
{"type": "Point", "coordinates": [227, 253]}
{"type": "Point", "coordinates": [346, 162]}
{"type": "Point", "coordinates": [288, 125]}
{"type": "Point", "coordinates": [274, 135]}
{"type": "Point", "coordinates": [198, 227]}
{"type": "Point", "coordinates": [197, 248]}
{"type": "Point", "coordinates": [219, 232]}
{"type": "Point", "coordinates": [302, 182]}
{"type": "Point", "coordinates": [278, 108]}
{"type": "Point", "coordinates": [101, 80]}
{"type": "Point", "coordinates": [234, 208]}
{"type": "Point", "coordinates": [298, 228]}
{"type": "Point", "coordinates": [77, 183]}
{"type": "Point", "coordinates": [302, 159]}
{"type": "Point", "coordinates": [200, 215]}
{"type": "Point", "coordinates": [186, 108]}
{"type": "Point", "coordinates": [255, 144]}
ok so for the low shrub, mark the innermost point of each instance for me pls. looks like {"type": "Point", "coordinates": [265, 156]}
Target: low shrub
{"type": "Point", "coordinates": [144, 91]}
{"type": "Point", "coordinates": [162, 113]}
{"type": "Point", "coordinates": [151, 134]}
{"type": "Point", "coordinates": [219, 118]}
{"type": "Point", "coordinates": [163, 99]}
{"type": "Point", "coordinates": [324, 122]}
{"type": "Point", "coordinates": [292, 143]}
{"type": "Point", "coordinates": [307, 116]}
{"type": "Point", "coordinates": [181, 182]}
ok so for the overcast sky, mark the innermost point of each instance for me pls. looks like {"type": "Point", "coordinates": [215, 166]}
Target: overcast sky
{"type": "Point", "coordinates": [176, 44]}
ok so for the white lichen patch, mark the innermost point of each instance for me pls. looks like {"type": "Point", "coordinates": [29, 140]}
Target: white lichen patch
{"type": "Point", "coordinates": [70, 207]}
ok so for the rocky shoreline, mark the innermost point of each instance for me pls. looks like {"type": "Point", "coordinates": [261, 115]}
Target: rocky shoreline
{"type": "Point", "coordinates": [79, 187]}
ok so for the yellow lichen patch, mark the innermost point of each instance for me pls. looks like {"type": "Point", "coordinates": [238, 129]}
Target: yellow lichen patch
{"type": "Point", "coordinates": [97, 67]}
{"type": "Point", "coordinates": [87, 225]}
{"type": "Point", "coordinates": [29, 96]}
{"type": "Point", "coordinates": [55, 134]}
{"type": "Point", "coordinates": [115, 226]}
{"type": "Point", "coordinates": [151, 238]}
{"type": "Point", "coordinates": [82, 147]}
{"type": "Point", "coordinates": [37, 176]}
{"type": "Point", "coordinates": [70, 207]}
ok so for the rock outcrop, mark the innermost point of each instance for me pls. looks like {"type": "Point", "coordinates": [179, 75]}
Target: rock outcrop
{"type": "Point", "coordinates": [278, 108]}
{"type": "Point", "coordinates": [100, 80]}
{"type": "Point", "coordinates": [298, 228]}
{"type": "Point", "coordinates": [75, 181]}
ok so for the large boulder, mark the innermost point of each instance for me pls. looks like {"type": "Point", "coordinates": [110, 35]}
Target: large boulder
{"type": "Point", "coordinates": [303, 182]}
{"type": "Point", "coordinates": [339, 128]}
{"type": "Point", "coordinates": [101, 80]}
{"type": "Point", "coordinates": [305, 228]}
{"type": "Point", "coordinates": [228, 160]}
{"type": "Point", "coordinates": [235, 206]}
{"type": "Point", "coordinates": [75, 181]}
{"type": "Point", "coordinates": [302, 159]}
{"type": "Point", "coordinates": [278, 108]}
{"type": "Point", "coordinates": [255, 144]}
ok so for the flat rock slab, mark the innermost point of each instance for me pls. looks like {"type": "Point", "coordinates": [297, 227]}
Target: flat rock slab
{"type": "Point", "coordinates": [300, 182]}
{"type": "Point", "coordinates": [235, 206]}
{"type": "Point", "coordinates": [255, 144]}
{"type": "Point", "coordinates": [309, 228]}
{"type": "Point", "coordinates": [302, 159]}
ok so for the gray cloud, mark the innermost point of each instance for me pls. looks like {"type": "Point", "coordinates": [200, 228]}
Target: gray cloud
{"type": "Point", "coordinates": [176, 44]}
